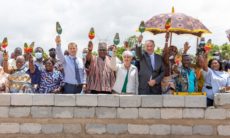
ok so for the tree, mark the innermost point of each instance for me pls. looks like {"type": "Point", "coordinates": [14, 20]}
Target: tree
{"type": "Point", "coordinates": [158, 51]}
{"type": "Point", "coordinates": [119, 52]}
{"type": "Point", "coordinates": [132, 40]}
{"type": "Point", "coordinates": [224, 50]}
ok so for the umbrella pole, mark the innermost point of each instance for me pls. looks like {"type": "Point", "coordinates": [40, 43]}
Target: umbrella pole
{"type": "Point", "coordinates": [197, 42]}
{"type": "Point", "coordinates": [170, 39]}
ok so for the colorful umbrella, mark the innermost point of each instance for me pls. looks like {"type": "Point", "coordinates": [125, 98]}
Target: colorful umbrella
{"type": "Point", "coordinates": [180, 24]}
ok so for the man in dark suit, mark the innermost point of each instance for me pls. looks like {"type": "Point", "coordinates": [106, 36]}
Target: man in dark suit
{"type": "Point", "coordinates": [151, 69]}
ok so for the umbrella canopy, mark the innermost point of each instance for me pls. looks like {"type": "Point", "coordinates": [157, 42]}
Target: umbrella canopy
{"type": "Point", "coordinates": [180, 24]}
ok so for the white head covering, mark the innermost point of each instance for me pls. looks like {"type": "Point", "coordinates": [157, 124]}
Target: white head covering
{"type": "Point", "coordinates": [127, 53]}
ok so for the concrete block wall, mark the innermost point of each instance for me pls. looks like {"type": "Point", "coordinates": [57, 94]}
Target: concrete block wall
{"type": "Point", "coordinates": [110, 115]}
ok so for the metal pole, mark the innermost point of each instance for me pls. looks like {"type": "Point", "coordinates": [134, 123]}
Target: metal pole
{"type": "Point", "coordinates": [170, 39]}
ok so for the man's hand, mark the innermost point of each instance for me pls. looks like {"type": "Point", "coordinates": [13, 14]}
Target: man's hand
{"type": "Point", "coordinates": [30, 58]}
{"type": "Point", "coordinates": [58, 40]}
{"type": "Point", "coordinates": [90, 46]}
{"type": "Point", "coordinates": [186, 47]}
{"type": "Point", "coordinates": [152, 82]}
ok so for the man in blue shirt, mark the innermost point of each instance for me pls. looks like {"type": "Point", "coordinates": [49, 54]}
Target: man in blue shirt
{"type": "Point", "coordinates": [74, 71]}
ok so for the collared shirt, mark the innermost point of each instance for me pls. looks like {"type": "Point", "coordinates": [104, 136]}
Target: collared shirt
{"type": "Point", "coordinates": [191, 81]}
{"type": "Point", "coordinates": [69, 68]}
{"type": "Point", "coordinates": [152, 61]}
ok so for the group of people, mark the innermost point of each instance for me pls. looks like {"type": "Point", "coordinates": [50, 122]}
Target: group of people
{"type": "Point", "coordinates": [141, 71]}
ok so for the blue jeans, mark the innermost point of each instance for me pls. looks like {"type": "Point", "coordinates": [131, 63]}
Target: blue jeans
{"type": "Point", "coordinates": [72, 89]}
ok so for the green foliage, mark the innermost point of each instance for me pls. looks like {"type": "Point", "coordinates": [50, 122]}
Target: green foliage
{"type": "Point", "coordinates": [223, 49]}
{"type": "Point", "coordinates": [158, 51]}
{"type": "Point", "coordinates": [119, 52]}
{"type": "Point", "coordinates": [94, 53]}
{"type": "Point", "coordinates": [132, 40]}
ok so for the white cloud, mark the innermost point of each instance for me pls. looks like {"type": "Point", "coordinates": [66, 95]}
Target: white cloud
{"type": "Point", "coordinates": [27, 21]}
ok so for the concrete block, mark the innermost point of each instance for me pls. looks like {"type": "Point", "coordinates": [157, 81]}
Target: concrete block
{"type": "Point", "coordinates": [138, 129]}
{"type": "Point", "coordinates": [171, 113]}
{"type": "Point", "coordinates": [64, 100]}
{"type": "Point", "coordinates": [19, 112]}
{"type": "Point", "coordinates": [151, 101]}
{"type": "Point", "coordinates": [130, 101]}
{"type": "Point", "coordinates": [127, 113]}
{"type": "Point", "coordinates": [222, 100]}
{"type": "Point", "coordinates": [181, 130]}
{"type": "Point", "coordinates": [223, 130]}
{"type": "Point", "coordinates": [86, 100]}
{"type": "Point", "coordinates": [84, 112]}
{"type": "Point", "coordinates": [148, 113]}
{"type": "Point", "coordinates": [30, 128]}
{"type": "Point", "coordinates": [4, 112]}
{"type": "Point", "coordinates": [193, 113]}
{"type": "Point", "coordinates": [108, 100]}
{"type": "Point", "coordinates": [9, 128]}
{"type": "Point", "coordinates": [95, 128]}
{"type": "Point", "coordinates": [203, 130]}
{"type": "Point", "coordinates": [41, 112]}
{"type": "Point", "coordinates": [160, 129]}
{"type": "Point", "coordinates": [4, 99]}
{"type": "Point", "coordinates": [43, 99]}
{"type": "Point", "coordinates": [173, 101]}
{"type": "Point", "coordinates": [21, 99]}
{"type": "Point", "coordinates": [211, 113]}
{"type": "Point", "coordinates": [227, 113]}
{"type": "Point", "coordinates": [72, 128]}
{"type": "Point", "coordinates": [63, 112]}
{"type": "Point", "coordinates": [117, 128]}
{"type": "Point", "coordinates": [196, 101]}
{"type": "Point", "coordinates": [106, 112]}
{"type": "Point", "coordinates": [52, 128]}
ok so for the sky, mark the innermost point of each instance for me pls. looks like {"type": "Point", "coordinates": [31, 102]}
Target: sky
{"type": "Point", "coordinates": [34, 20]}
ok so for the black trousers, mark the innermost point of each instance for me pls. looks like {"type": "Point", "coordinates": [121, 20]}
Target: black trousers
{"type": "Point", "coordinates": [209, 102]}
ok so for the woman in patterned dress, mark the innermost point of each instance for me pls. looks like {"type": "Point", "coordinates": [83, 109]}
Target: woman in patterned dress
{"type": "Point", "coordinates": [51, 79]}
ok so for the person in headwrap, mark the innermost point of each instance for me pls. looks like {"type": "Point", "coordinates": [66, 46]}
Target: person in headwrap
{"type": "Point", "coordinates": [101, 77]}
{"type": "Point", "coordinates": [19, 79]}
{"type": "Point", "coordinates": [12, 61]}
